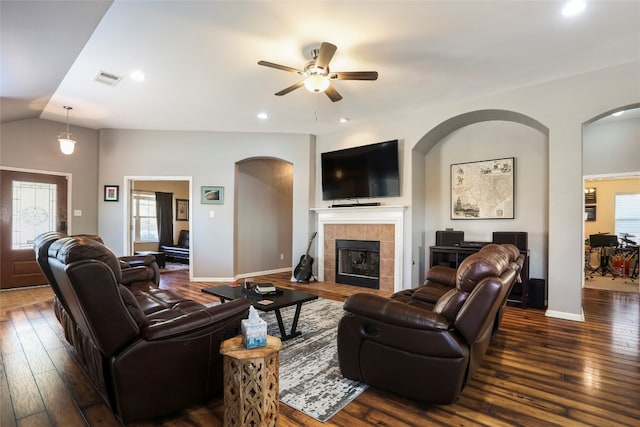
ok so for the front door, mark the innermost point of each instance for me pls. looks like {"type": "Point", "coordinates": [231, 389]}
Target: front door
{"type": "Point", "coordinates": [32, 204]}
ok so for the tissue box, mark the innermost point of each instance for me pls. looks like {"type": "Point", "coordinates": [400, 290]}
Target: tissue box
{"type": "Point", "coordinates": [254, 335]}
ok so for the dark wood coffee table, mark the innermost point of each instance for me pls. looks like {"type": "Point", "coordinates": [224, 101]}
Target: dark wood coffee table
{"type": "Point", "coordinates": [284, 298]}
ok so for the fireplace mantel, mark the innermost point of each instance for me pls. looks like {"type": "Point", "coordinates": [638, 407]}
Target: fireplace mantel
{"type": "Point", "coordinates": [363, 215]}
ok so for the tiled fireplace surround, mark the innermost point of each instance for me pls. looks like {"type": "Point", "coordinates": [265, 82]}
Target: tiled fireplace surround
{"type": "Point", "coordinates": [380, 223]}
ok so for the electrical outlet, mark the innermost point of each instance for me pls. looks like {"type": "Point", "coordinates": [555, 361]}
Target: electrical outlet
{"type": "Point", "coordinates": [212, 214]}
{"type": "Point", "coordinates": [281, 256]}
{"type": "Point", "coordinates": [77, 212]}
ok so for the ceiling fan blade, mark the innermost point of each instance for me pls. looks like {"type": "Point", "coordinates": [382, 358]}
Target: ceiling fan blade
{"type": "Point", "coordinates": [333, 94]}
{"type": "Point", "coordinates": [355, 75]}
{"type": "Point", "coordinates": [279, 67]}
{"type": "Point", "coordinates": [327, 50]}
{"type": "Point", "coordinates": [290, 89]}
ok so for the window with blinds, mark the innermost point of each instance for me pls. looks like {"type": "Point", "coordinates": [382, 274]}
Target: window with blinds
{"type": "Point", "coordinates": [144, 220]}
{"type": "Point", "coordinates": [627, 212]}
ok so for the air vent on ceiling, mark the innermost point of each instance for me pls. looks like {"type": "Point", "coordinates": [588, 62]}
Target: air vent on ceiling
{"type": "Point", "coordinates": [107, 78]}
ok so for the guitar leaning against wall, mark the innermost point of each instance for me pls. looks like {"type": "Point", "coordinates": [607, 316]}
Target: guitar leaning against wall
{"type": "Point", "coordinates": [303, 271]}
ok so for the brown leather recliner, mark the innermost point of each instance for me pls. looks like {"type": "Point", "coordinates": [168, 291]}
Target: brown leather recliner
{"type": "Point", "coordinates": [419, 351]}
{"type": "Point", "coordinates": [440, 279]}
{"type": "Point", "coordinates": [139, 272]}
{"type": "Point", "coordinates": [129, 261]}
{"type": "Point", "coordinates": [145, 360]}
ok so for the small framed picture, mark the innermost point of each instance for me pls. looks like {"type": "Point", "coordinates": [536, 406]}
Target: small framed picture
{"type": "Point", "coordinates": [182, 210]}
{"type": "Point", "coordinates": [211, 195]}
{"type": "Point", "coordinates": [590, 195]}
{"type": "Point", "coordinates": [589, 213]}
{"type": "Point", "coordinates": [111, 193]}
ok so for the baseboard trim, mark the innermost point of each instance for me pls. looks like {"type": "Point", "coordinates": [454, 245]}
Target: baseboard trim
{"type": "Point", "coordinates": [239, 276]}
{"type": "Point", "coordinates": [212, 279]}
{"type": "Point", "coordinates": [263, 273]}
{"type": "Point", "coordinates": [566, 316]}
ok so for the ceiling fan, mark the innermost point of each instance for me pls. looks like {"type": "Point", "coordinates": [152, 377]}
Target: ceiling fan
{"type": "Point", "coordinates": [317, 76]}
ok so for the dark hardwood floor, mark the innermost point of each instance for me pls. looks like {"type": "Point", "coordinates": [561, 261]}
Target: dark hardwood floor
{"type": "Point", "coordinates": [539, 371]}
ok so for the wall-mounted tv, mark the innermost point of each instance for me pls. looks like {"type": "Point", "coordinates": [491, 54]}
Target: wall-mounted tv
{"type": "Point", "coordinates": [361, 172]}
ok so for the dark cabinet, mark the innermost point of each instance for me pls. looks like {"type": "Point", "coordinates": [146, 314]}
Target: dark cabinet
{"type": "Point", "coordinates": [452, 256]}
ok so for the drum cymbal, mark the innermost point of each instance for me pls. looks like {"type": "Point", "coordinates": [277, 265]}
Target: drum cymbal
{"type": "Point", "coordinates": [627, 235]}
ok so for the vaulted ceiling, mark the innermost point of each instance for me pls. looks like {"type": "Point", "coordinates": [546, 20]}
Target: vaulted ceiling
{"type": "Point", "coordinates": [200, 58]}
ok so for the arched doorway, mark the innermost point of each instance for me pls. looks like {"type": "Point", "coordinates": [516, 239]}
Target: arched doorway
{"type": "Point", "coordinates": [482, 135]}
{"type": "Point", "coordinates": [611, 169]}
{"type": "Point", "coordinates": [264, 216]}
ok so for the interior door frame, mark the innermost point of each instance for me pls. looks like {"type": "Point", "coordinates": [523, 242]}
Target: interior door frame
{"type": "Point", "coordinates": [126, 197]}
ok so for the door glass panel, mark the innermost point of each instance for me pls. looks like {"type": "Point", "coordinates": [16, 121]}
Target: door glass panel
{"type": "Point", "coordinates": [34, 212]}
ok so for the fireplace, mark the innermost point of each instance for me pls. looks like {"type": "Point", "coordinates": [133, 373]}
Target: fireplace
{"type": "Point", "coordinates": [375, 223]}
{"type": "Point", "coordinates": [358, 263]}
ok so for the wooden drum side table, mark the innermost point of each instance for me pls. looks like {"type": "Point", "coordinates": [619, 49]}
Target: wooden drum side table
{"type": "Point", "coordinates": [251, 383]}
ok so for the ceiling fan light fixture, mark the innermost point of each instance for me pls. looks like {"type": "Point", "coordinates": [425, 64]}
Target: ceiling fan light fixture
{"type": "Point", "coordinates": [316, 75]}
{"type": "Point", "coordinates": [316, 83]}
{"type": "Point", "coordinates": [66, 141]}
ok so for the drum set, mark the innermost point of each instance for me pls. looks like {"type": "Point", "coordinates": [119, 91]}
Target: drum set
{"type": "Point", "coordinates": [605, 255]}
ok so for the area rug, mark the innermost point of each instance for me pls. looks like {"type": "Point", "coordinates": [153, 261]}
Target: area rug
{"type": "Point", "coordinates": [310, 379]}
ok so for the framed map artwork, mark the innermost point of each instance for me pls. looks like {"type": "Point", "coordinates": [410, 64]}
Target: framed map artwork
{"type": "Point", "coordinates": [483, 190]}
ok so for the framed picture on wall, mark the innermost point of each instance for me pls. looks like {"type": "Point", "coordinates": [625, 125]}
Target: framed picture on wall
{"type": "Point", "coordinates": [589, 195]}
{"type": "Point", "coordinates": [483, 189]}
{"type": "Point", "coordinates": [210, 195]}
{"type": "Point", "coordinates": [111, 193]}
{"type": "Point", "coordinates": [589, 213]}
{"type": "Point", "coordinates": [182, 210]}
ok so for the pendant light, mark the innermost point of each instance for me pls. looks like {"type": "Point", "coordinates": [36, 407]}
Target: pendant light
{"type": "Point", "coordinates": [67, 144]}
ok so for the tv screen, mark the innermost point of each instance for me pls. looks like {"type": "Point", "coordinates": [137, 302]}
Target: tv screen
{"type": "Point", "coordinates": [361, 172]}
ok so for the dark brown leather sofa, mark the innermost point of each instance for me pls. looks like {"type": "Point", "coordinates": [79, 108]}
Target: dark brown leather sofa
{"type": "Point", "coordinates": [148, 351]}
{"type": "Point", "coordinates": [423, 350]}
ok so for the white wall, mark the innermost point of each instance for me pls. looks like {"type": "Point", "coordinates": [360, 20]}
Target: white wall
{"type": "Point", "coordinates": [612, 147]}
{"type": "Point", "coordinates": [210, 159]}
{"type": "Point", "coordinates": [562, 106]}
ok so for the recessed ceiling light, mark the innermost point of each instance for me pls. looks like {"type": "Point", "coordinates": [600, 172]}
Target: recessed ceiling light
{"type": "Point", "coordinates": [574, 7]}
{"type": "Point", "coordinates": [618, 114]}
{"type": "Point", "coordinates": [344, 120]}
{"type": "Point", "coordinates": [137, 75]}
{"type": "Point", "coordinates": [263, 116]}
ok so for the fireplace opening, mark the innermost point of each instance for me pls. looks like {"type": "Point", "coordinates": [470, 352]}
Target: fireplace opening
{"type": "Point", "coordinates": [358, 263]}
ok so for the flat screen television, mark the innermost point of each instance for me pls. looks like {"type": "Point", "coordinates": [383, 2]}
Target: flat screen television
{"type": "Point", "coordinates": [361, 172]}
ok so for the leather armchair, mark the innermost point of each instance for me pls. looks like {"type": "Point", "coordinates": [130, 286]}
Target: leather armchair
{"type": "Point", "coordinates": [148, 351]}
{"type": "Point", "coordinates": [421, 351]}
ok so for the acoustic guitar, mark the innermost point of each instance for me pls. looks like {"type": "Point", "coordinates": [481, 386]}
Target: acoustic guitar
{"type": "Point", "coordinates": [302, 272]}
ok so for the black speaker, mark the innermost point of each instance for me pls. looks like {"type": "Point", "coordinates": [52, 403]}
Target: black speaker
{"type": "Point", "coordinates": [537, 293]}
{"type": "Point", "coordinates": [518, 238]}
{"type": "Point", "coordinates": [449, 238]}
